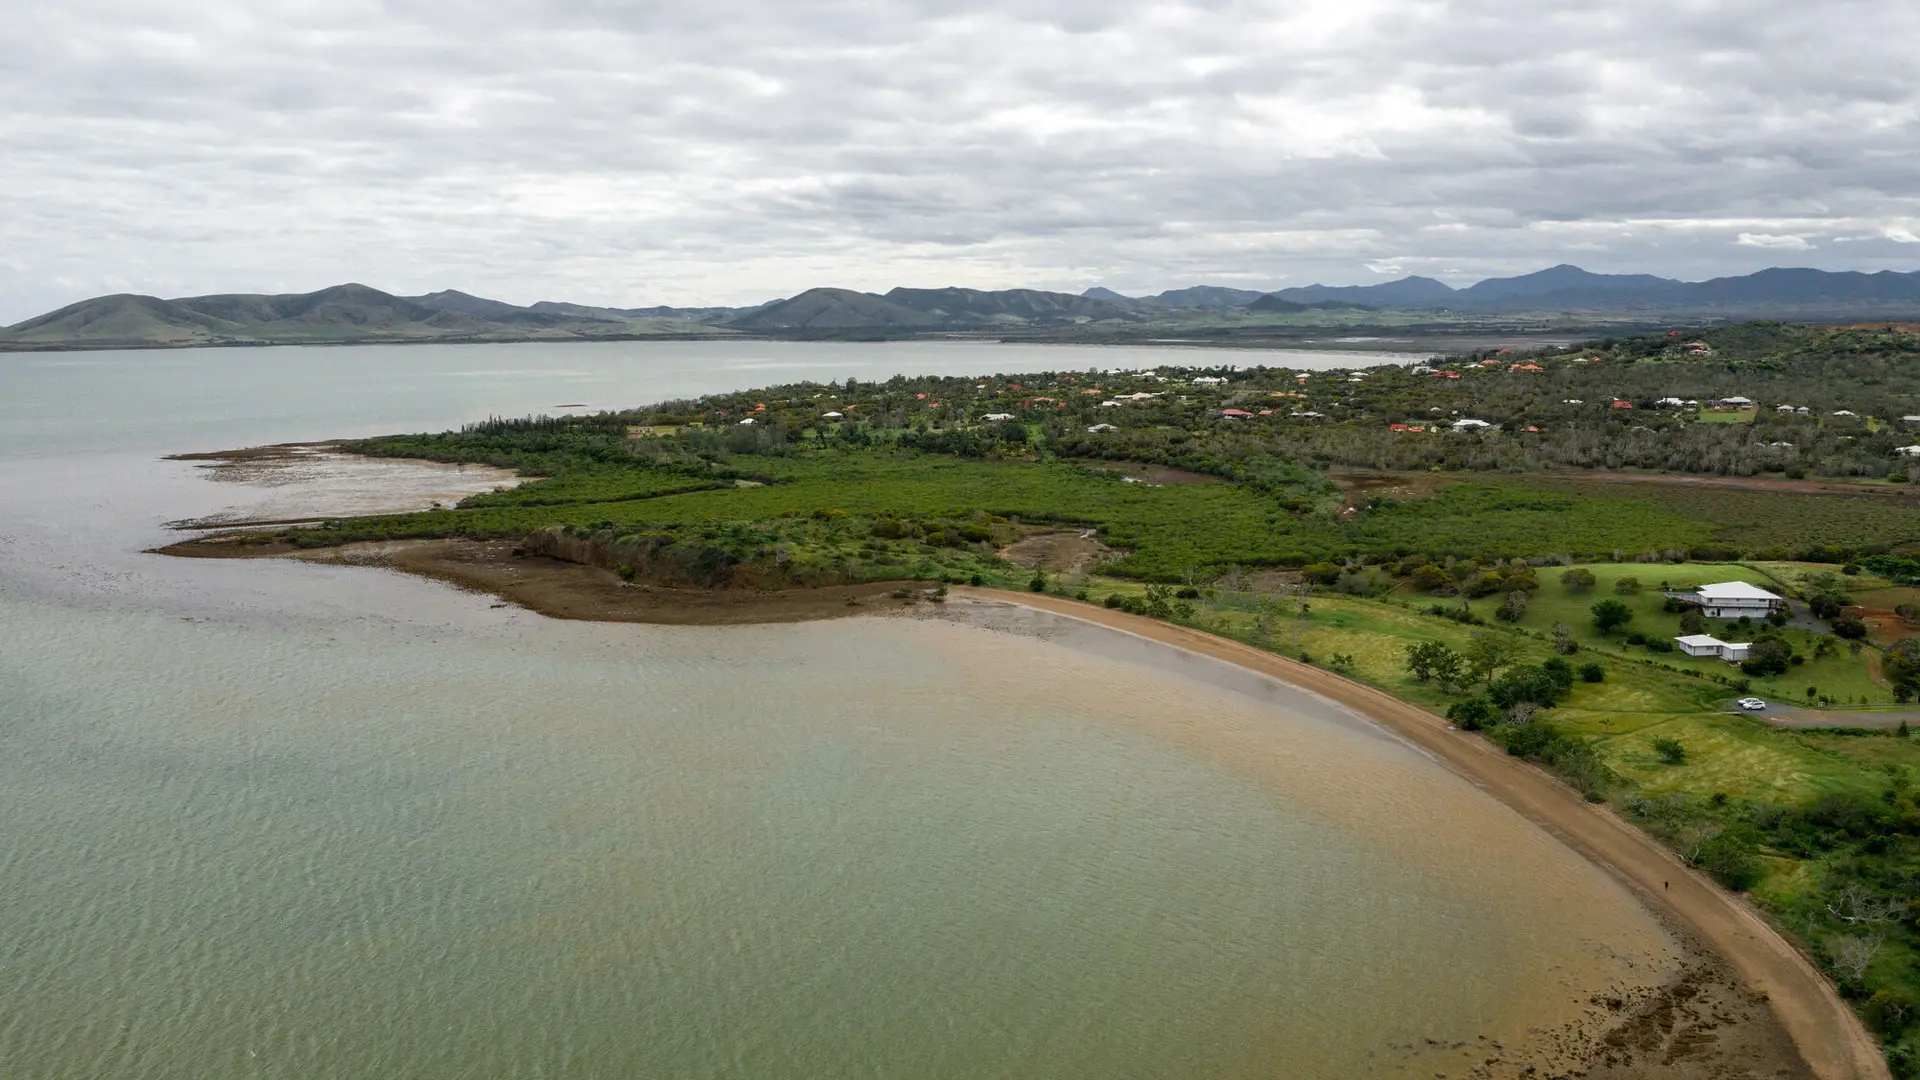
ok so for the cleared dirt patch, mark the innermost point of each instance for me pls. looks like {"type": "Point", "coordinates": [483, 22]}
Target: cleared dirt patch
{"type": "Point", "coordinates": [1362, 486]}
{"type": "Point", "coordinates": [1159, 475]}
{"type": "Point", "coordinates": [1074, 552]}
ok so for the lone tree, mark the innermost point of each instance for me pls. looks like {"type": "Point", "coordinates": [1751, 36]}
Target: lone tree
{"type": "Point", "coordinates": [1578, 580]}
{"type": "Point", "coordinates": [1513, 608]}
{"type": "Point", "coordinates": [1488, 652]}
{"type": "Point", "coordinates": [1611, 615]}
{"type": "Point", "coordinates": [1433, 660]}
{"type": "Point", "coordinates": [1671, 751]}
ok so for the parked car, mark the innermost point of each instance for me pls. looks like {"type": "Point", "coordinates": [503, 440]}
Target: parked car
{"type": "Point", "coordinates": [1751, 704]}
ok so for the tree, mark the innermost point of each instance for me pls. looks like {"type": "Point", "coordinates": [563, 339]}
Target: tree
{"type": "Point", "coordinates": [1473, 713]}
{"type": "Point", "coordinates": [1671, 751]}
{"type": "Point", "coordinates": [1431, 578]}
{"type": "Point", "coordinates": [1578, 580]}
{"type": "Point", "coordinates": [1692, 621]}
{"type": "Point", "coordinates": [1526, 686]}
{"type": "Point", "coordinates": [1513, 607]}
{"type": "Point", "coordinates": [1487, 652]}
{"type": "Point", "coordinates": [1850, 626]}
{"type": "Point", "coordinates": [1592, 673]}
{"type": "Point", "coordinates": [1433, 660]}
{"type": "Point", "coordinates": [1626, 586]}
{"type": "Point", "coordinates": [1902, 664]}
{"type": "Point", "coordinates": [1769, 655]}
{"type": "Point", "coordinates": [1563, 642]}
{"type": "Point", "coordinates": [1610, 615]}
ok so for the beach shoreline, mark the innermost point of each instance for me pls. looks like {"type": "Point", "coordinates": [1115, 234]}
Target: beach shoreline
{"type": "Point", "coordinates": [1828, 1038]}
{"type": "Point", "coordinates": [1831, 1040]}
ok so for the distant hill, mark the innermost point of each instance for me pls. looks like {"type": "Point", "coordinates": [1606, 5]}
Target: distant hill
{"type": "Point", "coordinates": [1562, 280]}
{"type": "Point", "coordinates": [466, 304]}
{"type": "Point", "coordinates": [1273, 304]}
{"type": "Point", "coordinates": [1406, 292]}
{"type": "Point", "coordinates": [926, 309]}
{"type": "Point", "coordinates": [340, 314]}
{"type": "Point", "coordinates": [358, 313]}
{"type": "Point", "coordinates": [1784, 292]}
{"type": "Point", "coordinates": [1007, 305]}
{"type": "Point", "coordinates": [834, 309]}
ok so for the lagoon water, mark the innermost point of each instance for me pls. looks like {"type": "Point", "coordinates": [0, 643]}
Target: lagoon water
{"type": "Point", "coordinates": [273, 820]}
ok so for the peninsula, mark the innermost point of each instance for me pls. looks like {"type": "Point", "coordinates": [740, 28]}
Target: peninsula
{"type": "Point", "coordinates": [1510, 551]}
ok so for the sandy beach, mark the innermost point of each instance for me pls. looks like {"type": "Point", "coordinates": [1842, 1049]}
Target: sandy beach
{"type": "Point", "coordinates": [1766, 1013]}
{"type": "Point", "coordinates": [1830, 1038]}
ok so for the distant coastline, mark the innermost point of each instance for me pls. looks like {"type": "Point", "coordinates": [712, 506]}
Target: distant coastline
{"type": "Point", "coordinates": [1562, 299]}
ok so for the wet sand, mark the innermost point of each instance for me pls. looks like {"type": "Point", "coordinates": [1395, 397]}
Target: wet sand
{"type": "Point", "coordinates": [1745, 1003]}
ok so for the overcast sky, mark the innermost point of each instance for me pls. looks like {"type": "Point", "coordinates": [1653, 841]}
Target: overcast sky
{"type": "Point", "coordinates": [729, 151]}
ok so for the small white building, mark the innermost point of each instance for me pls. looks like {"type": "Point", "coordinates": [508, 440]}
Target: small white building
{"type": "Point", "coordinates": [1671, 403]}
{"type": "Point", "coordinates": [1705, 645]}
{"type": "Point", "coordinates": [1208, 380]}
{"type": "Point", "coordinates": [830, 416]}
{"type": "Point", "coordinates": [1734, 599]}
{"type": "Point", "coordinates": [1735, 402]}
{"type": "Point", "coordinates": [1783, 408]}
{"type": "Point", "coordinates": [1910, 451]}
{"type": "Point", "coordinates": [1469, 424]}
{"type": "Point", "coordinates": [1098, 428]}
{"type": "Point", "coordinates": [1844, 412]}
{"type": "Point", "coordinates": [747, 421]}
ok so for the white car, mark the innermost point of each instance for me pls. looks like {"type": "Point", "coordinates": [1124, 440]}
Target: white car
{"type": "Point", "coordinates": [1751, 704]}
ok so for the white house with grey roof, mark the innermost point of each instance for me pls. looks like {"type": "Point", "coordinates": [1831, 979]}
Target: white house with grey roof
{"type": "Point", "coordinates": [1735, 599]}
{"type": "Point", "coordinates": [1705, 645]}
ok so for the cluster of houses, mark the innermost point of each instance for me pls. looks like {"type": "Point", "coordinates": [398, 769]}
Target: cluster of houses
{"type": "Point", "coordinates": [1726, 600]}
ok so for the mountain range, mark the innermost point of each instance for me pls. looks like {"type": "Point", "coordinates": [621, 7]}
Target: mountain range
{"type": "Point", "coordinates": [357, 313]}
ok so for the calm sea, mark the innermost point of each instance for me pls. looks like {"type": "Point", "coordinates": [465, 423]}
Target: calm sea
{"type": "Point", "coordinates": [270, 820]}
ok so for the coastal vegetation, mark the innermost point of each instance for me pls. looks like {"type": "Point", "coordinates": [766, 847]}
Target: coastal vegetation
{"type": "Point", "coordinates": [1504, 539]}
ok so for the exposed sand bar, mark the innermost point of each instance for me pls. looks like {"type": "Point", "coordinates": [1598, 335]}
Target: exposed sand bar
{"type": "Point", "coordinates": [1834, 1043]}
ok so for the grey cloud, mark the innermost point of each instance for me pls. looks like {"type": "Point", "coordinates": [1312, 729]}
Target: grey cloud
{"type": "Point", "coordinates": [733, 150]}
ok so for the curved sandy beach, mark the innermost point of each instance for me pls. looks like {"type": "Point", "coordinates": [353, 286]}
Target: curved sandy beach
{"type": "Point", "coordinates": [1834, 1043]}
{"type": "Point", "coordinates": [1830, 1038]}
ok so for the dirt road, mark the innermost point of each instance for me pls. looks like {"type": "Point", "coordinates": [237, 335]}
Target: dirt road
{"type": "Point", "coordinates": [1830, 1037]}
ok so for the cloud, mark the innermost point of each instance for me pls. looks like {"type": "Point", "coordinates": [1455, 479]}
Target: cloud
{"type": "Point", "coordinates": [1774, 242]}
{"type": "Point", "coordinates": [636, 152]}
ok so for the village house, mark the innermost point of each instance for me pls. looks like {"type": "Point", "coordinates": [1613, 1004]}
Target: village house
{"type": "Point", "coordinates": [1705, 645]}
{"type": "Point", "coordinates": [1909, 451]}
{"type": "Point", "coordinates": [1098, 428]}
{"type": "Point", "coordinates": [998, 416]}
{"type": "Point", "coordinates": [1468, 424]}
{"type": "Point", "coordinates": [1733, 600]}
